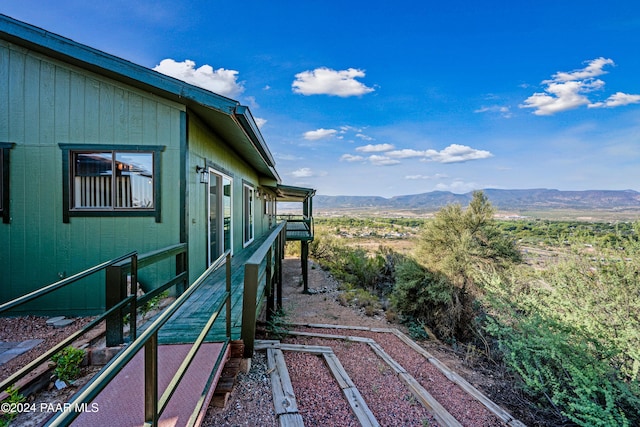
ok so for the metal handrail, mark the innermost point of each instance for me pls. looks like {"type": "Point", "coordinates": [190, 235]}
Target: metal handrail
{"type": "Point", "coordinates": [17, 376]}
{"type": "Point", "coordinates": [50, 288]}
{"type": "Point", "coordinates": [61, 283]}
{"type": "Point", "coordinates": [149, 340]}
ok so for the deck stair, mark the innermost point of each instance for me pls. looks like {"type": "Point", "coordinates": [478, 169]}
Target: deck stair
{"type": "Point", "coordinates": [229, 374]}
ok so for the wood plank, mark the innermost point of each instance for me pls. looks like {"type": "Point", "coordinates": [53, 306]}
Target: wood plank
{"type": "Point", "coordinates": [388, 359]}
{"type": "Point", "coordinates": [338, 371]}
{"type": "Point", "coordinates": [290, 420]}
{"type": "Point", "coordinates": [458, 380]}
{"type": "Point", "coordinates": [360, 408]}
{"type": "Point", "coordinates": [219, 400]}
{"type": "Point", "coordinates": [283, 397]}
{"type": "Point", "coordinates": [302, 348]}
{"type": "Point", "coordinates": [329, 336]}
{"type": "Point", "coordinates": [442, 416]}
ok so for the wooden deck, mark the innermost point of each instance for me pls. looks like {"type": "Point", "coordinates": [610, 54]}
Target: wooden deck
{"type": "Point", "coordinates": [185, 325]}
{"type": "Point", "coordinates": [299, 231]}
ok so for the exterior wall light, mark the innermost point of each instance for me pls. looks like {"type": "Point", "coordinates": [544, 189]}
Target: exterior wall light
{"type": "Point", "coordinates": [204, 174]}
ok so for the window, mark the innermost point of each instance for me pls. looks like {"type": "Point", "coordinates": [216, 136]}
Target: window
{"type": "Point", "coordinates": [111, 181]}
{"type": "Point", "coordinates": [248, 213]}
{"type": "Point", "coordinates": [4, 181]}
{"type": "Point", "coordinates": [220, 203]}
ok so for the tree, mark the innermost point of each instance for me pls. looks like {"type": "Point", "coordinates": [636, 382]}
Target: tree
{"type": "Point", "coordinates": [462, 243]}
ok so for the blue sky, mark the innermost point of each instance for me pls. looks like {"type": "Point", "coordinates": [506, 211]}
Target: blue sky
{"type": "Point", "coordinates": [393, 98]}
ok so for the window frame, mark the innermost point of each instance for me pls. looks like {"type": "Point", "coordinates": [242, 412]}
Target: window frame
{"type": "Point", "coordinates": [68, 152]}
{"type": "Point", "coordinates": [216, 172]}
{"type": "Point", "coordinates": [5, 175]}
{"type": "Point", "coordinates": [248, 214]}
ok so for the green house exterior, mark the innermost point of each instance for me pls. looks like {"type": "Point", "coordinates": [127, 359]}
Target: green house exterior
{"type": "Point", "coordinates": [101, 157]}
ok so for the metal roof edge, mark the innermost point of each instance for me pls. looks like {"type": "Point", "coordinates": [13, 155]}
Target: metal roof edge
{"type": "Point", "coordinates": [248, 123]}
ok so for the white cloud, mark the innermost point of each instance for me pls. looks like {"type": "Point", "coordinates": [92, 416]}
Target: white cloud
{"type": "Point", "coordinates": [456, 153]}
{"type": "Point", "coordinates": [458, 186]}
{"type": "Point", "coordinates": [415, 177]}
{"type": "Point", "coordinates": [260, 122]}
{"type": "Point", "coordinates": [351, 158]}
{"type": "Point", "coordinates": [567, 90]}
{"type": "Point", "coordinates": [503, 111]}
{"type": "Point", "coordinates": [561, 97]}
{"type": "Point", "coordinates": [594, 69]}
{"type": "Point", "coordinates": [377, 148]}
{"type": "Point", "coordinates": [287, 157]}
{"type": "Point", "coordinates": [314, 135]}
{"type": "Point", "coordinates": [364, 137]}
{"type": "Point", "coordinates": [221, 81]}
{"type": "Point", "coordinates": [302, 173]}
{"type": "Point", "coordinates": [325, 81]}
{"type": "Point", "coordinates": [616, 100]}
{"type": "Point", "coordinates": [406, 153]}
{"type": "Point", "coordinates": [382, 160]}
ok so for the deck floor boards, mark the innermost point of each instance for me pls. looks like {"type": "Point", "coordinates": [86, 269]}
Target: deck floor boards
{"type": "Point", "coordinates": [185, 325]}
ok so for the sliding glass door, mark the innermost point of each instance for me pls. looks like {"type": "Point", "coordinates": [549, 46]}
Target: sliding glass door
{"type": "Point", "coordinates": [220, 219]}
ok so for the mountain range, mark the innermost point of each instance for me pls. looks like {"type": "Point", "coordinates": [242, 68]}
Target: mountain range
{"type": "Point", "coordinates": [505, 200]}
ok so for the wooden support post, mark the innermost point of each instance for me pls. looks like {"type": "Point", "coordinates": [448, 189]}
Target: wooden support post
{"type": "Point", "coordinates": [228, 271]}
{"type": "Point", "coordinates": [115, 291]}
{"type": "Point", "coordinates": [181, 267]}
{"type": "Point", "coordinates": [269, 284]}
{"type": "Point", "coordinates": [278, 261]}
{"type": "Point", "coordinates": [248, 332]}
{"type": "Point", "coordinates": [304, 255]}
{"type": "Point", "coordinates": [133, 307]}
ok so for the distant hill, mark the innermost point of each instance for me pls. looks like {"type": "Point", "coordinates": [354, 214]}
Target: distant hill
{"type": "Point", "coordinates": [506, 200]}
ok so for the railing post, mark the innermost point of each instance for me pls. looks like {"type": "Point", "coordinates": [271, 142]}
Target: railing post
{"type": "Point", "coordinates": [269, 284]}
{"type": "Point", "coordinates": [181, 267]}
{"type": "Point", "coordinates": [133, 307]}
{"type": "Point", "coordinates": [151, 381]}
{"type": "Point", "coordinates": [115, 291]}
{"type": "Point", "coordinates": [278, 263]}
{"type": "Point", "coordinates": [304, 255]}
{"type": "Point", "coordinates": [248, 333]}
{"type": "Point", "coordinates": [228, 270]}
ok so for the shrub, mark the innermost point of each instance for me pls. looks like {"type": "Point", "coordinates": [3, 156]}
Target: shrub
{"type": "Point", "coordinates": [425, 296]}
{"type": "Point", "coordinates": [572, 336]}
{"type": "Point", "coordinates": [15, 397]}
{"type": "Point", "coordinates": [68, 362]}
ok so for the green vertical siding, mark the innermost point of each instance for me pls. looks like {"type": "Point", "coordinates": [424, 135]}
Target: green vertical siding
{"type": "Point", "coordinates": [204, 144]}
{"type": "Point", "coordinates": [44, 103]}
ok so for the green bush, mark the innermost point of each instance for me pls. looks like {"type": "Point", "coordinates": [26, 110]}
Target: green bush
{"type": "Point", "coordinates": [425, 296]}
{"type": "Point", "coordinates": [572, 333]}
{"type": "Point", "coordinates": [373, 272]}
{"type": "Point", "coordinates": [68, 362]}
{"type": "Point", "coordinates": [15, 397]}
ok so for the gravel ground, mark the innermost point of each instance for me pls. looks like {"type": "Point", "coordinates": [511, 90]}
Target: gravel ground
{"type": "Point", "coordinates": [391, 402]}
{"type": "Point", "coordinates": [14, 329]}
{"type": "Point", "coordinates": [250, 403]}
{"type": "Point", "coordinates": [461, 405]}
{"type": "Point", "coordinates": [319, 406]}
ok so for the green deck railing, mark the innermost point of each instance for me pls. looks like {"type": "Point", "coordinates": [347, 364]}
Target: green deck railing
{"type": "Point", "coordinates": [148, 340]}
{"type": "Point", "coordinates": [270, 254]}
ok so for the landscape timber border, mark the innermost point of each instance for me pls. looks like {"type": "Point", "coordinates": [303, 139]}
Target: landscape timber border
{"type": "Point", "coordinates": [494, 408]}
